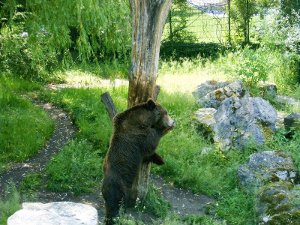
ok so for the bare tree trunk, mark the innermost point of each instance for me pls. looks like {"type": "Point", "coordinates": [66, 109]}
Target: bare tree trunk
{"type": "Point", "coordinates": [148, 20]}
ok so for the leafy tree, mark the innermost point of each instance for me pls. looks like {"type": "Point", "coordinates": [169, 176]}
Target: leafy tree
{"type": "Point", "coordinates": [290, 8]}
{"type": "Point", "coordinates": [83, 30]}
{"type": "Point", "coordinates": [243, 10]}
{"type": "Point", "coordinates": [178, 23]}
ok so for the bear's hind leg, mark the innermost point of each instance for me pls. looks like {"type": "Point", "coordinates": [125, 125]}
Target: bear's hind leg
{"type": "Point", "coordinates": [113, 196]}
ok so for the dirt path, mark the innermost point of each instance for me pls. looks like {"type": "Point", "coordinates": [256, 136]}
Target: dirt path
{"type": "Point", "coordinates": [63, 132]}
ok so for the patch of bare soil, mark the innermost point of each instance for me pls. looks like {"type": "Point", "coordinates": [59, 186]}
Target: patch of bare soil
{"type": "Point", "coordinates": [183, 202]}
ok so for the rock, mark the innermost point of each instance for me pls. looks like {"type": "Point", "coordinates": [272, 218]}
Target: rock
{"type": "Point", "coordinates": [265, 167]}
{"type": "Point", "coordinates": [278, 203]}
{"type": "Point", "coordinates": [240, 121]}
{"type": "Point", "coordinates": [280, 119]}
{"type": "Point", "coordinates": [214, 98]}
{"type": "Point", "coordinates": [268, 90]}
{"type": "Point", "coordinates": [209, 86]}
{"type": "Point", "coordinates": [292, 122]}
{"type": "Point", "coordinates": [66, 213]}
{"type": "Point", "coordinates": [205, 121]}
{"type": "Point", "coordinates": [287, 100]}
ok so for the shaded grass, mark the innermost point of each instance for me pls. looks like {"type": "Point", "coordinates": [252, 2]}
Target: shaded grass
{"type": "Point", "coordinates": [24, 128]}
{"type": "Point", "coordinates": [9, 205]}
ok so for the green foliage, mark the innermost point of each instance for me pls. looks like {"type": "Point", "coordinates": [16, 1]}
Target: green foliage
{"type": "Point", "coordinates": [250, 65]}
{"type": "Point", "coordinates": [178, 51]}
{"type": "Point", "coordinates": [289, 8]}
{"type": "Point", "coordinates": [24, 59]}
{"type": "Point", "coordinates": [241, 13]}
{"type": "Point", "coordinates": [77, 168]}
{"type": "Point", "coordinates": [280, 39]}
{"type": "Point", "coordinates": [24, 128]}
{"type": "Point", "coordinates": [280, 142]}
{"type": "Point", "coordinates": [85, 29]}
{"type": "Point", "coordinates": [10, 204]}
{"type": "Point", "coordinates": [89, 113]}
{"type": "Point", "coordinates": [178, 23]}
{"type": "Point", "coordinates": [31, 182]}
{"type": "Point", "coordinates": [154, 203]}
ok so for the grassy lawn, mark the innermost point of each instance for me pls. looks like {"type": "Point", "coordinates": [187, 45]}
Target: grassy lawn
{"type": "Point", "coordinates": [24, 127]}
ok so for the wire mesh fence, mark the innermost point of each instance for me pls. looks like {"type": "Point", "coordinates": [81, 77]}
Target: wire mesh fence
{"type": "Point", "coordinates": [205, 21]}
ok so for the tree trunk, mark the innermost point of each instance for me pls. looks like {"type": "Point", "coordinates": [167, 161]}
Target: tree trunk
{"type": "Point", "coordinates": [148, 20]}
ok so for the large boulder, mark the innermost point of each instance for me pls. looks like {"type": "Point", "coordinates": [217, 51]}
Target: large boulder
{"type": "Point", "coordinates": [214, 98]}
{"type": "Point", "coordinates": [240, 121]}
{"type": "Point", "coordinates": [265, 167]}
{"type": "Point", "coordinates": [278, 203]}
{"type": "Point", "coordinates": [66, 213]}
{"type": "Point", "coordinates": [208, 86]}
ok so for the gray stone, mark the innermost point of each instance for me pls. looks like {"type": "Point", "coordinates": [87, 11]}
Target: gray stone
{"type": "Point", "coordinates": [208, 86]}
{"type": "Point", "coordinates": [292, 122]}
{"type": "Point", "coordinates": [66, 213]}
{"type": "Point", "coordinates": [278, 203]}
{"type": "Point", "coordinates": [280, 119]}
{"type": "Point", "coordinates": [214, 98]}
{"type": "Point", "coordinates": [242, 121]}
{"type": "Point", "coordinates": [268, 90]}
{"type": "Point", "coordinates": [265, 167]}
{"type": "Point", "coordinates": [287, 100]}
{"type": "Point", "coordinates": [205, 121]}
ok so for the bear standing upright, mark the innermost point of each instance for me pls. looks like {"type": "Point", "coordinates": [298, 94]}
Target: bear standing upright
{"type": "Point", "coordinates": [136, 135]}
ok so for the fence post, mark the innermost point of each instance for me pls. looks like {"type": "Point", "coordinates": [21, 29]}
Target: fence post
{"type": "Point", "coordinates": [229, 25]}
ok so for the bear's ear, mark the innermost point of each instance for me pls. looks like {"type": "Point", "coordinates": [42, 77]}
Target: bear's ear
{"type": "Point", "coordinates": [151, 104]}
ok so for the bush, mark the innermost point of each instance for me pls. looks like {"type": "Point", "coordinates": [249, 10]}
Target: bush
{"type": "Point", "coordinates": [26, 60]}
{"type": "Point", "coordinates": [178, 50]}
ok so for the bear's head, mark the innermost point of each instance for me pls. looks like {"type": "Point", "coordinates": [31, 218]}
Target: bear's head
{"type": "Point", "coordinates": [144, 116]}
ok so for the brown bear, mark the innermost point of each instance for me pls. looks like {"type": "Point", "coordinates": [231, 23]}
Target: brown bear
{"type": "Point", "coordinates": [136, 135]}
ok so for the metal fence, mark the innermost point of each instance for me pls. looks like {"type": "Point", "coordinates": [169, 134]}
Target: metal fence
{"type": "Point", "coordinates": [205, 21]}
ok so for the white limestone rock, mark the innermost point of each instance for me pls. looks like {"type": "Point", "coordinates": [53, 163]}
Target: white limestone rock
{"type": "Point", "coordinates": [54, 213]}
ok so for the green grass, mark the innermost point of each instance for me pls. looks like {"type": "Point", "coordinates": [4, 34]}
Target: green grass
{"type": "Point", "coordinates": [154, 203]}
{"type": "Point", "coordinates": [24, 128]}
{"type": "Point", "coordinates": [76, 169]}
{"type": "Point", "coordinates": [9, 205]}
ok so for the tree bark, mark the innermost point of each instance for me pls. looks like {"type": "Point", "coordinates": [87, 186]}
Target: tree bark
{"type": "Point", "coordinates": [148, 20]}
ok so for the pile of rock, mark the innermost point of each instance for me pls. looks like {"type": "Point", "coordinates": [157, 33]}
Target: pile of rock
{"type": "Point", "coordinates": [233, 119]}
{"type": "Point", "coordinates": [271, 177]}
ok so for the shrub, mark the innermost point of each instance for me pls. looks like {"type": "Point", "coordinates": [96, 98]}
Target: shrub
{"type": "Point", "coordinates": [20, 57]}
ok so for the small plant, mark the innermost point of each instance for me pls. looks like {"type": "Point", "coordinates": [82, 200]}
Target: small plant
{"type": "Point", "coordinates": [77, 169]}
{"type": "Point", "coordinates": [154, 203]}
{"type": "Point", "coordinates": [10, 204]}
